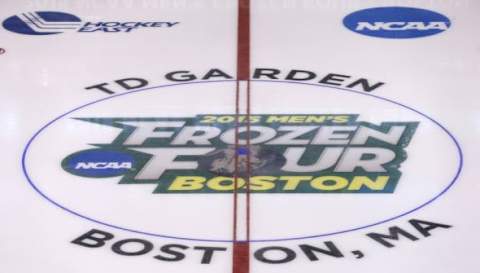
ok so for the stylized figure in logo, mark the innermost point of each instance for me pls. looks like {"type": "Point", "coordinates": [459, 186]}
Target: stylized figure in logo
{"type": "Point", "coordinates": [222, 161]}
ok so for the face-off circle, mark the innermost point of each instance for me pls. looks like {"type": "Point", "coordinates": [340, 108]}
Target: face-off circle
{"type": "Point", "coordinates": [157, 161]}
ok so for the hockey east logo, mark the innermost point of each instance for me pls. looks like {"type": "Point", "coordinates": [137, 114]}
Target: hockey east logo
{"type": "Point", "coordinates": [301, 153]}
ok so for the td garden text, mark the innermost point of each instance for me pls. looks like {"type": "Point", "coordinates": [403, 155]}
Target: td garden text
{"type": "Point", "coordinates": [321, 153]}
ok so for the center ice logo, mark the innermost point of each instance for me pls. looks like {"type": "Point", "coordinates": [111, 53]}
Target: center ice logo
{"type": "Point", "coordinates": [288, 154]}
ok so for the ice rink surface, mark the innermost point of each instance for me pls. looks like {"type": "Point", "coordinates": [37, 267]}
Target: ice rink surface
{"type": "Point", "coordinates": [239, 137]}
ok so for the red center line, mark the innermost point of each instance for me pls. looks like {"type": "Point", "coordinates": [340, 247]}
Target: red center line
{"type": "Point", "coordinates": [241, 249]}
{"type": "Point", "coordinates": [236, 147]}
{"type": "Point", "coordinates": [243, 41]}
{"type": "Point", "coordinates": [249, 170]}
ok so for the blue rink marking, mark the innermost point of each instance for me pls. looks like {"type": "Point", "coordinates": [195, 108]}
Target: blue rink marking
{"type": "Point", "coordinates": [31, 182]}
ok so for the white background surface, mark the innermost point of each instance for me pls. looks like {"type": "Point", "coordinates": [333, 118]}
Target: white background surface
{"type": "Point", "coordinates": [42, 77]}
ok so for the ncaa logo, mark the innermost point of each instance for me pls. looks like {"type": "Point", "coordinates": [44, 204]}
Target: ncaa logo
{"type": "Point", "coordinates": [396, 22]}
{"type": "Point", "coordinates": [42, 23]}
{"type": "Point", "coordinates": [98, 163]}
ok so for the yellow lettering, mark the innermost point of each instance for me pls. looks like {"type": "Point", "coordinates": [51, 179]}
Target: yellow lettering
{"type": "Point", "coordinates": [297, 119]}
{"type": "Point", "coordinates": [223, 183]}
{"type": "Point", "coordinates": [292, 182]}
{"type": "Point", "coordinates": [378, 184]}
{"type": "Point", "coordinates": [187, 183]}
{"type": "Point", "coordinates": [329, 183]}
{"type": "Point", "coordinates": [262, 183]}
{"type": "Point", "coordinates": [315, 119]}
{"type": "Point", "coordinates": [281, 119]}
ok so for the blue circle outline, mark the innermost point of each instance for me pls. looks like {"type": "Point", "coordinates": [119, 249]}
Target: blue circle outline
{"type": "Point", "coordinates": [30, 181]}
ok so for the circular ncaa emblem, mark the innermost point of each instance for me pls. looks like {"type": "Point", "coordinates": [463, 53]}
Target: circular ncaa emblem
{"type": "Point", "coordinates": [396, 22]}
{"type": "Point", "coordinates": [163, 152]}
{"type": "Point", "coordinates": [98, 163]}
